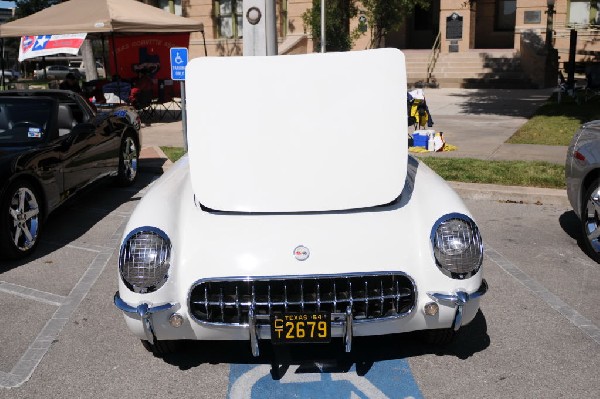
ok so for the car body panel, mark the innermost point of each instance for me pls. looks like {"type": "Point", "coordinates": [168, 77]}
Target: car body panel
{"type": "Point", "coordinates": [270, 158]}
{"type": "Point", "coordinates": [80, 66]}
{"type": "Point", "coordinates": [58, 72]}
{"type": "Point", "coordinates": [215, 232]}
{"type": "Point", "coordinates": [10, 75]}
{"type": "Point", "coordinates": [62, 165]}
{"type": "Point", "coordinates": [391, 238]}
{"type": "Point", "coordinates": [586, 142]}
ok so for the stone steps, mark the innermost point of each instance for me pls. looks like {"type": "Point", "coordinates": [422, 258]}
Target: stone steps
{"type": "Point", "coordinates": [475, 69]}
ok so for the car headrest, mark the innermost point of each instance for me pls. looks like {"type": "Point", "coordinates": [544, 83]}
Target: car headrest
{"type": "Point", "coordinates": [65, 119]}
{"type": "Point", "coordinates": [5, 122]}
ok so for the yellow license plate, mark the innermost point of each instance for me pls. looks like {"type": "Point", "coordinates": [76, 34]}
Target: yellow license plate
{"type": "Point", "coordinates": [301, 327]}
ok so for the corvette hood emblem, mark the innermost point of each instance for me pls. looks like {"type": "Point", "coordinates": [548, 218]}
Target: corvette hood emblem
{"type": "Point", "coordinates": [301, 252]}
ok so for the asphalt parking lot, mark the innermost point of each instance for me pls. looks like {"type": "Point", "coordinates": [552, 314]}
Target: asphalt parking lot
{"type": "Point", "coordinates": [536, 335]}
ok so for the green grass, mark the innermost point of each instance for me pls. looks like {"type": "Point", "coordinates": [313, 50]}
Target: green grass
{"type": "Point", "coordinates": [555, 124]}
{"type": "Point", "coordinates": [509, 173]}
{"type": "Point", "coordinates": [173, 153]}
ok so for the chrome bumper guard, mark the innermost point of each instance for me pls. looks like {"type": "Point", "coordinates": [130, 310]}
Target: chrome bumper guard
{"type": "Point", "coordinates": [458, 299]}
{"type": "Point", "coordinates": [145, 312]}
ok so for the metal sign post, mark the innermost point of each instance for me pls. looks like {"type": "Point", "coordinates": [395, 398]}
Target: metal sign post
{"type": "Point", "coordinates": [179, 60]}
{"type": "Point", "coordinates": [323, 40]}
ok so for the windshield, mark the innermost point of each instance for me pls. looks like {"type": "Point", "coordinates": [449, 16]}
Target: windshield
{"type": "Point", "coordinates": [24, 120]}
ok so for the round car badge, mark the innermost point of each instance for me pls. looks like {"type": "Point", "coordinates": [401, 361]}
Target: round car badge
{"type": "Point", "coordinates": [301, 252]}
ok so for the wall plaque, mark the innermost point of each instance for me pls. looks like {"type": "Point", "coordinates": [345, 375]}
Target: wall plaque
{"type": "Point", "coordinates": [533, 17]}
{"type": "Point", "coordinates": [453, 47]}
{"type": "Point", "coordinates": [454, 26]}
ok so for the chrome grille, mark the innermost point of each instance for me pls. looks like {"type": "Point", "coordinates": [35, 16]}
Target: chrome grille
{"type": "Point", "coordinates": [370, 296]}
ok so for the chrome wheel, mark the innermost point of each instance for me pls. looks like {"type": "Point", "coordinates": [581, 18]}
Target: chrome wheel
{"type": "Point", "coordinates": [24, 214]}
{"type": "Point", "coordinates": [591, 219]}
{"type": "Point", "coordinates": [128, 161]}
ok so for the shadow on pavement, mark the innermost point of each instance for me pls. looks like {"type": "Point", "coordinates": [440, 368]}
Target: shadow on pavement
{"type": "Point", "coordinates": [571, 224]}
{"type": "Point", "coordinates": [315, 358]}
{"type": "Point", "coordinates": [500, 102]}
{"type": "Point", "coordinates": [79, 214]}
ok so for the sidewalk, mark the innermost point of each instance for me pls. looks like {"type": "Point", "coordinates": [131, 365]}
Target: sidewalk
{"type": "Point", "coordinates": [477, 121]}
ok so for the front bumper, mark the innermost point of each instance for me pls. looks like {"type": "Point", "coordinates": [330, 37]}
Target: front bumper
{"type": "Point", "coordinates": [145, 312]}
{"type": "Point", "coordinates": [342, 323]}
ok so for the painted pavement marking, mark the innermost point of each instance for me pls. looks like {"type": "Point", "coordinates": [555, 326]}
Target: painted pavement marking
{"type": "Point", "coordinates": [543, 293]}
{"type": "Point", "coordinates": [386, 379]}
{"type": "Point", "coordinates": [30, 293]}
{"type": "Point", "coordinates": [27, 364]}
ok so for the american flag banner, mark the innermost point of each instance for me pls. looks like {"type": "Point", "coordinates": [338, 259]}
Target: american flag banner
{"type": "Point", "coordinates": [38, 46]}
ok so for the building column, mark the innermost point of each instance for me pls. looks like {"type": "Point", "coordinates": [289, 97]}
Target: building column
{"type": "Point", "coordinates": [457, 26]}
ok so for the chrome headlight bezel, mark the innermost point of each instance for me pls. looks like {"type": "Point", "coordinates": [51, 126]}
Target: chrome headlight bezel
{"type": "Point", "coordinates": [464, 262]}
{"type": "Point", "coordinates": [145, 277]}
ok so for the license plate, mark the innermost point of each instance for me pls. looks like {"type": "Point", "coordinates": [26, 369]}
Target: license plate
{"type": "Point", "coordinates": [287, 328]}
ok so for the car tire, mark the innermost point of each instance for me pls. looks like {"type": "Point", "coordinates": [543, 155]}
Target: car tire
{"type": "Point", "coordinates": [20, 220]}
{"type": "Point", "coordinates": [161, 348]}
{"type": "Point", "coordinates": [441, 336]}
{"type": "Point", "coordinates": [128, 160]}
{"type": "Point", "coordinates": [590, 219]}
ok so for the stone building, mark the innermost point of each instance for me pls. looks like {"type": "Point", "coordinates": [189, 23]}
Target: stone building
{"type": "Point", "coordinates": [504, 43]}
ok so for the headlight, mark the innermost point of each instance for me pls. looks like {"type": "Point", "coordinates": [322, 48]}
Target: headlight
{"type": "Point", "coordinates": [145, 259]}
{"type": "Point", "coordinates": [457, 245]}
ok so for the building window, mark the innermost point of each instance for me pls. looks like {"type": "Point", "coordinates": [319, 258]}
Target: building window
{"type": "Point", "coordinates": [506, 13]}
{"type": "Point", "coordinates": [579, 12]}
{"type": "Point", "coordinates": [229, 18]}
{"type": "Point", "coordinates": [164, 4]}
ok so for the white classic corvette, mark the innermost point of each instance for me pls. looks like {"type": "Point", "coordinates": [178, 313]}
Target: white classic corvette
{"type": "Point", "coordinates": [297, 215]}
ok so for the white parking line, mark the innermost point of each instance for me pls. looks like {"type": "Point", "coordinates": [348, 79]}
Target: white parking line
{"type": "Point", "coordinates": [27, 364]}
{"type": "Point", "coordinates": [30, 293]}
{"type": "Point", "coordinates": [543, 293]}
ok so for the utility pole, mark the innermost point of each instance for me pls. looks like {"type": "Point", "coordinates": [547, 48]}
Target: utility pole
{"type": "Point", "coordinates": [260, 27]}
{"type": "Point", "coordinates": [323, 40]}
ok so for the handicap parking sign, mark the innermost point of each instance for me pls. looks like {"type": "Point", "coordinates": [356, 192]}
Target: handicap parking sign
{"type": "Point", "coordinates": [179, 60]}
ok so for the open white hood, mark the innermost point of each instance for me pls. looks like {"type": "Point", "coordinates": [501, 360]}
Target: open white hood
{"type": "Point", "coordinates": [302, 133]}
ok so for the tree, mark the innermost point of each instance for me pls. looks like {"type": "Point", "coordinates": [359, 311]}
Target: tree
{"type": "Point", "coordinates": [28, 7]}
{"type": "Point", "coordinates": [388, 15]}
{"type": "Point", "coordinates": [338, 14]}
{"type": "Point", "coordinates": [383, 16]}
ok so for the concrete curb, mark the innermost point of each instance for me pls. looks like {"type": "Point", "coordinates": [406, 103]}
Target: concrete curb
{"type": "Point", "coordinates": [154, 160]}
{"type": "Point", "coordinates": [527, 195]}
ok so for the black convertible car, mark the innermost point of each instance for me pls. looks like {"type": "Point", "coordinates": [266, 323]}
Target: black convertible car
{"type": "Point", "coordinates": [53, 144]}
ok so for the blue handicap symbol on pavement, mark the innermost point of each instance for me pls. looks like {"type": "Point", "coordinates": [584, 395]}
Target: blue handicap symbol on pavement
{"type": "Point", "coordinates": [386, 379]}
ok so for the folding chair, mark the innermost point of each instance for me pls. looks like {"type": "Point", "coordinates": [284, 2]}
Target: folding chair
{"type": "Point", "coordinates": [165, 105]}
{"type": "Point", "coordinates": [141, 100]}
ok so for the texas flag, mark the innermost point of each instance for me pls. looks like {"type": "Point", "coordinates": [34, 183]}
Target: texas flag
{"type": "Point", "coordinates": [38, 46]}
